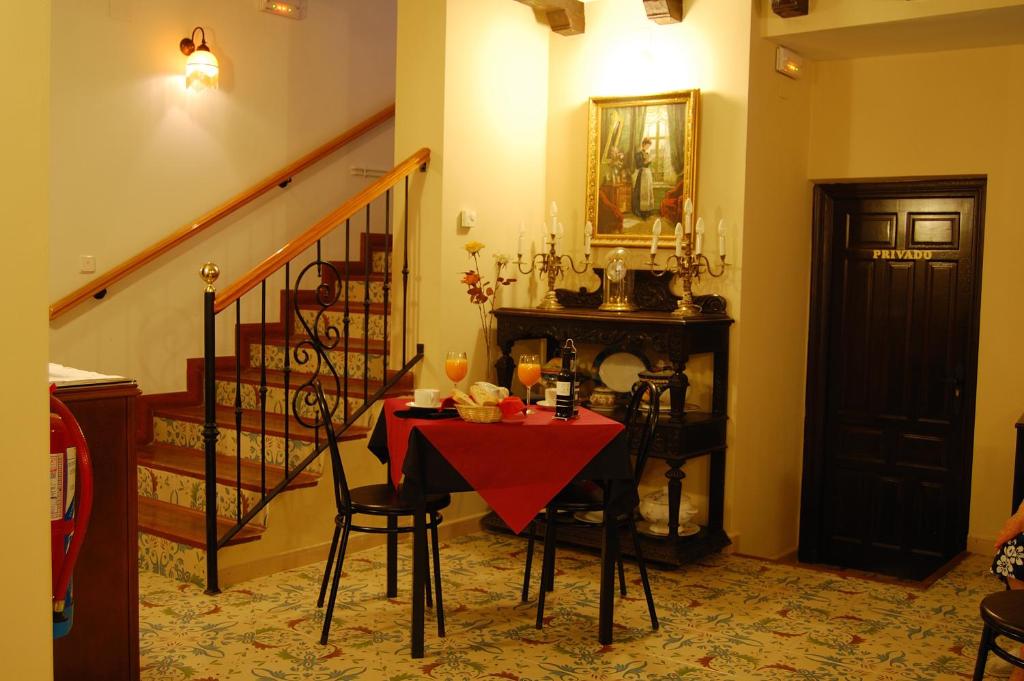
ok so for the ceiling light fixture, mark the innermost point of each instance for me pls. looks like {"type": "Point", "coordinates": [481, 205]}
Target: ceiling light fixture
{"type": "Point", "coordinates": [201, 69]}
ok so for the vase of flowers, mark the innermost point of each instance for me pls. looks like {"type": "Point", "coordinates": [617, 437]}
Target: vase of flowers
{"type": "Point", "coordinates": [482, 293]}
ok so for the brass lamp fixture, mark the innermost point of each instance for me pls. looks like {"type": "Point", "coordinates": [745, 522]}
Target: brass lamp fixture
{"type": "Point", "coordinates": [201, 69]}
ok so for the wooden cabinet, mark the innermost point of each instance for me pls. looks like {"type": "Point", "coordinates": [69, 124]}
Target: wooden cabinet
{"type": "Point", "coordinates": [104, 639]}
{"type": "Point", "coordinates": [680, 435]}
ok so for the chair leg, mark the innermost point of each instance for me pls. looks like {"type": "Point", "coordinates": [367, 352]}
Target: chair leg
{"type": "Point", "coordinates": [334, 583]}
{"type": "Point", "coordinates": [622, 579]}
{"type": "Point", "coordinates": [529, 562]}
{"type": "Point", "coordinates": [547, 568]}
{"type": "Point", "coordinates": [437, 575]}
{"type": "Point", "coordinates": [330, 562]}
{"type": "Point", "coordinates": [983, 648]}
{"type": "Point", "coordinates": [642, 564]}
{"type": "Point", "coordinates": [426, 583]}
{"type": "Point", "coordinates": [548, 573]}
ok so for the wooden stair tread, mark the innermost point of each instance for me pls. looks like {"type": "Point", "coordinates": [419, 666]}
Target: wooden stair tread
{"type": "Point", "coordinates": [186, 526]}
{"type": "Point", "coordinates": [275, 378]}
{"type": "Point", "coordinates": [251, 422]}
{"type": "Point", "coordinates": [354, 306]}
{"type": "Point", "coordinates": [372, 346]}
{"type": "Point", "coordinates": [192, 463]}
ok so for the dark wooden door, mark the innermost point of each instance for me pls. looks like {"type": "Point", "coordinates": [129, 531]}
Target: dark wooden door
{"type": "Point", "coordinates": [894, 402]}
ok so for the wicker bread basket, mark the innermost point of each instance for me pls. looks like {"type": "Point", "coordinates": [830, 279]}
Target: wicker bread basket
{"type": "Point", "coordinates": [478, 413]}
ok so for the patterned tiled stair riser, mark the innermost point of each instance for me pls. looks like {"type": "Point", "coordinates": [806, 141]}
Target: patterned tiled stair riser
{"type": "Point", "coordinates": [190, 435]}
{"type": "Point", "coordinates": [250, 395]}
{"type": "Point", "coordinates": [357, 290]}
{"type": "Point", "coordinates": [168, 558]}
{"type": "Point", "coordinates": [378, 260]}
{"type": "Point", "coordinates": [275, 361]}
{"type": "Point", "coordinates": [724, 619]}
{"type": "Point", "coordinates": [336, 318]}
{"type": "Point", "coordinates": [190, 492]}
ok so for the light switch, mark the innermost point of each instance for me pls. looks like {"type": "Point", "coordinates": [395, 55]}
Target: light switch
{"type": "Point", "coordinates": [467, 218]}
{"type": "Point", "coordinates": [87, 264]}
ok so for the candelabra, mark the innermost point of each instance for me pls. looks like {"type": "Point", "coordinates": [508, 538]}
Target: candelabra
{"type": "Point", "coordinates": [688, 267]}
{"type": "Point", "coordinates": [551, 264]}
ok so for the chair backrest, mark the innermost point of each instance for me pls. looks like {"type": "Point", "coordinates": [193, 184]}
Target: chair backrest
{"type": "Point", "coordinates": [641, 423]}
{"type": "Point", "coordinates": [342, 499]}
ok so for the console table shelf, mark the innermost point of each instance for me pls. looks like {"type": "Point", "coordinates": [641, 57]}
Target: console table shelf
{"type": "Point", "coordinates": [680, 435]}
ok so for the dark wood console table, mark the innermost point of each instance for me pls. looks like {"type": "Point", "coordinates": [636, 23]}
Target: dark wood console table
{"type": "Point", "coordinates": [104, 639]}
{"type": "Point", "coordinates": [680, 435]}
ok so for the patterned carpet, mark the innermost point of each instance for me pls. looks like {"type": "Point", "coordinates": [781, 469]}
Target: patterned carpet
{"type": "Point", "coordinates": [727, 618]}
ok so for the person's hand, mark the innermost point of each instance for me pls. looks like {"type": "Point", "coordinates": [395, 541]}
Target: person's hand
{"type": "Point", "coordinates": [1013, 526]}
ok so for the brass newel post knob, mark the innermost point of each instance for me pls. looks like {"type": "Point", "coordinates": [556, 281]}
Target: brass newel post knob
{"type": "Point", "coordinates": [209, 273]}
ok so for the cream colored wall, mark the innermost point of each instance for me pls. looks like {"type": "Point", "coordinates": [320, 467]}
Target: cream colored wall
{"type": "Point", "coordinates": [472, 85]}
{"type": "Point", "coordinates": [624, 53]}
{"type": "Point", "coordinates": [947, 113]}
{"type": "Point", "coordinates": [836, 14]}
{"type": "Point", "coordinates": [771, 359]}
{"type": "Point", "coordinates": [25, 633]}
{"type": "Point", "coordinates": [135, 156]}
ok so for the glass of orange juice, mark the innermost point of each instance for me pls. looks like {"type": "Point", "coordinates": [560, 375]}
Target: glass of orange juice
{"type": "Point", "coordinates": [456, 365]}
{"type": "Point", "coordinates": [529, 374]}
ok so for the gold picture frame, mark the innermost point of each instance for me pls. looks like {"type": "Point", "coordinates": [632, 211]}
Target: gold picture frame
{"type": "Point", "coordinates": [638, 172]}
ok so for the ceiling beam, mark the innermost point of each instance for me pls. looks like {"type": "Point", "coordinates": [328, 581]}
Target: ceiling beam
{"type": "Point", "coordinates": [565, 17]}
{"type": "Point", "coordinates": [664, 11]}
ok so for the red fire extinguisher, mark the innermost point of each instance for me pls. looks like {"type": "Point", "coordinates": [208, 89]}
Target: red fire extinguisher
{"type": "Point", "coordinates": [70, 506]}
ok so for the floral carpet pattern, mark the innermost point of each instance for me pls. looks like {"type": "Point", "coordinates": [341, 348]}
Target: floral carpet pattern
{"type": "Point", "coordinates": [727, 618]}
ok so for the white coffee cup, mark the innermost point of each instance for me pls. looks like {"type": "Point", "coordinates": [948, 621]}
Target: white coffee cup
{"type": "Point", "coordinates": [427, 397]}
{"type": "Point", "coordinates": [549, 395]}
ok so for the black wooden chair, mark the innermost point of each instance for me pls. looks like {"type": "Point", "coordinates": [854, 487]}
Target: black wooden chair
{"type": "Point", "coordinates": [587, 498]}
{"type": "Point", "coordinates": [1003, 615]}
{"type": "Point", "coordinates": [371, 500]}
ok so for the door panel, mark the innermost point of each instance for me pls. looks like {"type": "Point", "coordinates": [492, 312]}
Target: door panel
{"type": "Point", "coordinates": [890, 454]}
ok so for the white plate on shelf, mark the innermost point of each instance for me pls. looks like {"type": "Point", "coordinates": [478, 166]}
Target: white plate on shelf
{"type": "Point", "coordinates": [619, 370]}
{"type": "Point", "coordinates": [687, 530]}
{"type": "Point", "coordinates": [590, 517]}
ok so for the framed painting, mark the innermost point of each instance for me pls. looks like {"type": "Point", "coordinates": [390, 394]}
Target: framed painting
{"type": "Point", "coordinates": [641, 165]}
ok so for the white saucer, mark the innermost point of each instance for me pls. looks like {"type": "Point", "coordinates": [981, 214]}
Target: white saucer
{"type": "Point", "coordinates": [687, 530]}
{"type": "Point", "coordinates": [590, 517]}
{"type": "Point", "coordinates": [546, 406]}
{"type": "Point", "coordinates": [413, 405]}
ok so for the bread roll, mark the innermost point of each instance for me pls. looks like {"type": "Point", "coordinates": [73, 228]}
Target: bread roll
{"type": "Point", "coordinates": [481, 395]}
{"type": "Point", "coordinates": [462, 398]}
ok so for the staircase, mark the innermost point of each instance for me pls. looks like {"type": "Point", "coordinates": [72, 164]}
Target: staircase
{"type": "Point", "coordinates": [171, 457]}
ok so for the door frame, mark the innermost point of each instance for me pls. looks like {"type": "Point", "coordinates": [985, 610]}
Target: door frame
{"type": "Point", "coordinates": [825, 194]}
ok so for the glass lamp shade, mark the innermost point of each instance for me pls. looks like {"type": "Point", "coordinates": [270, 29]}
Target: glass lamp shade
{"type": "Point", "coordinates": [201, 70]}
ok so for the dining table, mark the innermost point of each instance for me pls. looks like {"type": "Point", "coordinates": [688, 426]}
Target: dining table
{"type": "Point", "coordinates": [517, 466]}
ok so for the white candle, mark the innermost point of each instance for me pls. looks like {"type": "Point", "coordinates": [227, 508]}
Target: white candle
{"type": "Point", "coordinates": [519, 244]}
{"type": "Point", "coordinates": [554, 217]}
{"type": "Point", "coordinates": [679, 239]}
{"type": "Point", "coordinates": [700, 236]}
{"type": "Point", "coordinates": [721, 238]}
{"type": "Point", "coordinates": [655, 233]}
{"type": "Point", "coordinates": [561, 232]}
{"type": "Point", "coordinates": [588, 232]}
{"type": "Point", "coordinates": [688, 210]}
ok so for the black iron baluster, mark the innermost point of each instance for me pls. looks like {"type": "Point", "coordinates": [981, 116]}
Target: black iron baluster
{"type": "Point", "coordinates": [387, 278]}
{"type": "Point", "coordinates": [366, 308]}
{"type": "Point", "coordinates": [263, 388]}
{"type": "Point", "coordinates": [319, 273]}
{"type": "Point", "coordinates": [238, 410]}
{"type": "Point", "coordinates": [405, 273]}
{"type": "Point", "coordinates": [287, 325]}
{"type": "Point", "coordinates": [209, 273]}
{"type": "Point", "coordinates": [346, 318]}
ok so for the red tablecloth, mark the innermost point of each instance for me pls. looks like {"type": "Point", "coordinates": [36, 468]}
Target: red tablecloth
{"type": "Point", "coordinates": [516, 467]}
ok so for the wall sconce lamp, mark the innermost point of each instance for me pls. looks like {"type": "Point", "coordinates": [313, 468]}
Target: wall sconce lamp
{"type": "Point", "coordinates": [201, 69]}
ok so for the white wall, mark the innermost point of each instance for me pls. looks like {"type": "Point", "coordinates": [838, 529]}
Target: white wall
{"type": "Point", "coordinates": [135, 156]}
{"type": "Point", "coordinates": [25, 633]}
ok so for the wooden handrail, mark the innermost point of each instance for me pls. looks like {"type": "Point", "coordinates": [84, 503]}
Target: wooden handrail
{"type": "Point", "coordinates": [320, 229]}
{"type": "Point", "coordinates": [111, 277]}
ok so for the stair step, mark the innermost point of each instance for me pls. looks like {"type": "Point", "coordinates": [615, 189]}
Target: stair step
{"type": "Point", "coordinates": [185, 526]}
{"type": "Point", "coordinates": [192, 463]}
{"type": "Point", "coordinates": [251, 422]}
{"type": "Point", "coordinates": [373, 346]}
{"type": "Point", "coordinates": [275, 378]}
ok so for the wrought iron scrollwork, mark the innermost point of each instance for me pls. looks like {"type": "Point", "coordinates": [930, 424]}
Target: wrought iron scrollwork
{"type": "Point", "coordinates": [322, 337]}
